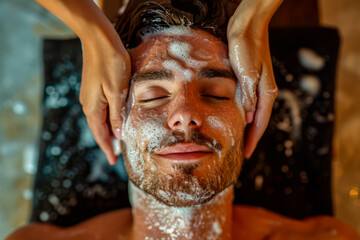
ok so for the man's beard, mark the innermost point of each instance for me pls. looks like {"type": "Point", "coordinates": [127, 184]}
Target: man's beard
{"type": "Point", "coordinates": [184, 187]}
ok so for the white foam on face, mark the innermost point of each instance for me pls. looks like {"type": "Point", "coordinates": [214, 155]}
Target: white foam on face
{"type": "Point", "coordinates": [203, 54]}
{"type": "Point", "coordinates": [181, 50]}
{"type": "Point", "coordinates": [310, 84]}
{"type": "Point", "coordinates": [151, 133]}
{"type": "Point", "coordinates": [150, 64]}
{"type": "Point", "coordinates": [216, 227]}
{"type": "Point", "coordinates": [169, 220]}
{"type": "Point", "coordinates": [177, 31]}
{"type": "Point", "coordinates": [215, 122]}
{"type": "Point", "coordinates": [310, 59]}
{"type": "Point", "coordinates": [133, 154]}
{"type": "Point", "coordinates": [174, 65]}
{"type": "Point", "coordinates": [171, 31]}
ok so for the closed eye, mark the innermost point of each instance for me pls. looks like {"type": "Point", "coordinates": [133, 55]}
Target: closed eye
{"type": "Point", "coordinates": [216, 97]}
{"type": "Point", "coordinates": [152, 99]}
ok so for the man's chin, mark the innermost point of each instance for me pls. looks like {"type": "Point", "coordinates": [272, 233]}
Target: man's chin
{"type": "Point", "coordinates": [183, 193]}
{"type": "Point", "coordinates": [183, 199]}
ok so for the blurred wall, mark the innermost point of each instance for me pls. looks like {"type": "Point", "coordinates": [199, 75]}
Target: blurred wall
{"type": "Point", "coordinates": [345, 16]}
{"type": "Point", "coordinates": [23, 25]}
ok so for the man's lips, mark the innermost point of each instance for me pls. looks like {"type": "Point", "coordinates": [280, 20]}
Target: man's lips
{"type": "Point", "coordinates": [185, 151]}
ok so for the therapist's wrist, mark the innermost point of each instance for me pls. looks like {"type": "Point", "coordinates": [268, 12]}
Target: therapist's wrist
{"type": "Point", "coordinates": [101, 35]}
{"type": "Point", "coordinates": [252, 17]}
{"type": "Point", "coordinates": [264, 9]}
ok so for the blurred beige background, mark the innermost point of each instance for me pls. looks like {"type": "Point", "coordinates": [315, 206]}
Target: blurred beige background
{"type": "Point", "coordinates": [22, 26]}
{"type": "Point", "coordinates": [345, 16]}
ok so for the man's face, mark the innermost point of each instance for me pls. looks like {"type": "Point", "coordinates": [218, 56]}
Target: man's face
{"type": "Point", "coordinates": [184, 132]}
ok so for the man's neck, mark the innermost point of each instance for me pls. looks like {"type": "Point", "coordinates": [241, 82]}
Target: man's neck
{"type": "Point", "coordinates": [155, 220]}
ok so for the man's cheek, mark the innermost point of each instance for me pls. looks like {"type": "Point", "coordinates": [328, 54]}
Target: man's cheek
{"type": "Point", "coordinates": [151, 128]}
{"type": "Point", "coordinates": [220, 125]}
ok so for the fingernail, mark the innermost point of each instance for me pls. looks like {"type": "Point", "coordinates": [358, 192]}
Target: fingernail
{"type": "Point", "coordinates": [111, 160]}
{"type": "Point", "coordinates": [116, 146]}
{"type": "Point", "coordinates": [117, 133]}
{"type": "Point", "coordinates": [248, 153]}
{"type": "Point", "coordinates": [249, 117]}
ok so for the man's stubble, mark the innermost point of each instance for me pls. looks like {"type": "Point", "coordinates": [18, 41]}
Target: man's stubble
{"type": "Point", "coordinates": [185, 186]}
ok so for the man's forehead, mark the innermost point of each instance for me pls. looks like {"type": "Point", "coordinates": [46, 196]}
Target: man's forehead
{"type": "Point", "coordinates": [193, 51]}
{"type": "Point", "coordinates": [194, 37]}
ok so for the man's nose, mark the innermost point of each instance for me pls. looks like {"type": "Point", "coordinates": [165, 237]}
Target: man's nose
{"type": "Point", "coordinates": [185, 118]}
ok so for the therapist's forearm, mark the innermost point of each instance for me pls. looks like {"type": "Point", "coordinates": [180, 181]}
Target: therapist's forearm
{"type": "Point", "coordinates": [83, 17]}
{"type": "Point", "coordinates": [256, 12]}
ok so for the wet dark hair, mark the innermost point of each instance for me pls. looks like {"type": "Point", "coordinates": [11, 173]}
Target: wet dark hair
{"type": "Point", "coordinates": [144, 16]}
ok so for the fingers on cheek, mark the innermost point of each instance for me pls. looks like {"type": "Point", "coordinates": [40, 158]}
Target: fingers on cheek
{"type": "Point", "coordinates": [262, 116]}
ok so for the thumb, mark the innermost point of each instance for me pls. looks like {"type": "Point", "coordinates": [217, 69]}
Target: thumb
{"type": "Point", "coordinates": [247, 73]}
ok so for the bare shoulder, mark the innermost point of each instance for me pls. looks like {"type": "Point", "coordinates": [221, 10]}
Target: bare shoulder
{"type": "Point", "coordinates": [242, 213]}
{"type": "Point", "coordinates": [33, 231]}
{"type": "Point", "coordinates": [122, 217]}
{"type": "Point", "coordinates": [335, 226]}
{"type": "Point", "coordinates": [264, 223]}
{"type": "Point", "coordinates": [104, 226]}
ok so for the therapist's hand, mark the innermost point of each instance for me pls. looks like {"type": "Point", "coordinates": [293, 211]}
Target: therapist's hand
{"type": "Point", "coordinates": [105, 79]}
{"type": "Point", "coordinates": [106, 68]}
{"type": "Point", "coordinates": [251, 62]}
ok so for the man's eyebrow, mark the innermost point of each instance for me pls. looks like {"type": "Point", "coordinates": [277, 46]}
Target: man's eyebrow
{"type": "Point", "coordinates": [216, 72]}
{"type": "Point", "coordinates": [153, 75]}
